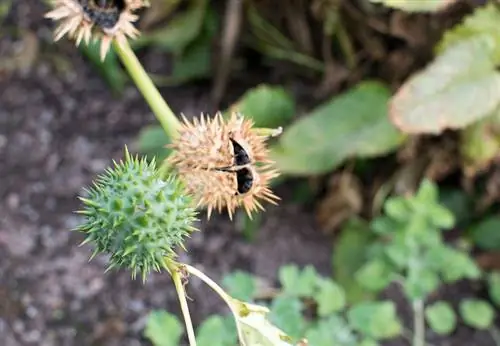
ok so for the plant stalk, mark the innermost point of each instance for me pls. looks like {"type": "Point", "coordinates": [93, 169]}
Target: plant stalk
{"type": "Point", "coordinates": [174, 271]}
{"type": "Point", "coordinates": [160, 108]}
{"type": "Point", "coordinates": [418, 323]}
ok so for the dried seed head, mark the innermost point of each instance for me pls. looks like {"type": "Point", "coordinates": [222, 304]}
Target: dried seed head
{"type": "Point", "coordinates": [107, 20]}
{"type": "Point", "coordinates": [224, 163]}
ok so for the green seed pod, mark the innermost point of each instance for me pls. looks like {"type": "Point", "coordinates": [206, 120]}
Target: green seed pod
{"type": "Point", "coordinates": [136, 217]}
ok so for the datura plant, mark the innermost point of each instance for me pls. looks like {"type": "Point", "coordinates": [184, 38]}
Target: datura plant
{"type": "Point", "coordinates": [140, 214]}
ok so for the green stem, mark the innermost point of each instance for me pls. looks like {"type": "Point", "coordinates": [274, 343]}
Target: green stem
{"type": "Point", "coordinates": [160, 108]}
{"type": "Point", "coordinates": [418, 323]}
{"type": "Point", "coordinates": [174, 270]}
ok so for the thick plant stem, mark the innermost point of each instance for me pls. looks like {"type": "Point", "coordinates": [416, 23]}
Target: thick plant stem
{"type": "Point", "coordinates": [160, 108]}
{"type": "Point", "coordinates": [418, 323]}
{"type": "Point", "coordinates": [174, 271]}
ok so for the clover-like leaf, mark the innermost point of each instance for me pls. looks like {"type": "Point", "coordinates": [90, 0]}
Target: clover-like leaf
{"type": "Point", "coordinates": [416, 5]}
{"type": "Point", "coordinates": [458, 88]}
{"type": "Point", "coordinates": [441, 318]}
{"type": "Point", "coordinates": [375, 275]}
{"type": "Point", "coordinates": [354, 124]}
{"type": "Point", "coordinates": [457, 265]}
{"type": "Point", "coordinates": [286, 313]}
{"type": "Point", "coordinates": [240, 285]}
{"type": "Point", "coordinates": [217, 330]}
{"type": "Point", "coordinates": [163, 329]}
{"type": "Point", "coordinates": [268, 106]}
{"type": "Point", "coordinates": [332, 331]}
{"type": "Point", "coordinates": [377, 320]}
{"type": "Point", "coordinates": [330, 297]}
{"type": "Point", "coordinates": [494, 287]}
{"type": "Point", "coordinates": [298, 283]}
{"type": "Point", "coordinates": [477, 313]}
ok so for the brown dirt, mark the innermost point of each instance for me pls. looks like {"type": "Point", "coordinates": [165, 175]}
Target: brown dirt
{"type": "Point", "coordinates": [59, 127]}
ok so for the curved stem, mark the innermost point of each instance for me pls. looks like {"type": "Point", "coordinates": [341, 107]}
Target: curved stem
{"type": "Point", "coordinates": [175, 271]}
{"type": "Point", "coordinates": [160, 108]}
{"type": "Point", "coordinates": [213, 285]}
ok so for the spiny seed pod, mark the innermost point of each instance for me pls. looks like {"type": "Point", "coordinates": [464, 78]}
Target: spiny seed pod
{"type": "Point", "coordinates": [224, 163]}
{"type": "Point", "coordinates": [136, 217]}
{"type": "Point", "coordinates": [104, 19]}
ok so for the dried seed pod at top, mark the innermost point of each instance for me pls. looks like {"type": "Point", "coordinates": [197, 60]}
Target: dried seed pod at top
{"type": "Point", "coordinates": [224, 163]}
{"type": "Point", "coordinates": [107, 20]}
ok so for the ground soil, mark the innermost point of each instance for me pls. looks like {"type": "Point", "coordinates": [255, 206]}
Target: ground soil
{"type": "Point", "coordinates": [59, 127]}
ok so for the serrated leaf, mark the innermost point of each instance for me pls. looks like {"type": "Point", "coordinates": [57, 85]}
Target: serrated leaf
{"type": "Point", "coordinates": [349, 254]}
{"type": "Point", "coordinates": [217, 330]}
{"type": "Point", "coordinates": [477, 313]}
{"type": "Point", "coordinates": [286, 313]}
{"type": "Point", "coordinates": [180, 31]}
{"type": "Point", "coordinates": [353, 124]}
{"type": "Point", "coordinates": [416, 5]}
{"type": "Point", "coordinates": [494, 287]}
{"type": "Point", "coordinates": [330, 297]}
{"type": "Point", "coordinates": [332, 331]}
{"type": "Point", "coordinates": [441, 318]}
{"type": "Point", "coordinates": [377, 320]}
{"type": "Point", "coordinates": [268, 106]}
{"type": "Point", "coordinates": [152, 141]}
{"type": "Point", "coordinates": [240, 285]}
{"type": "Point", "coordinates": [163, 329]}
{"type": "Point", "coordinates": [483, 21]}
{"type": "Point", "coordinates": [486, 233]}
{"type": "Point", "coordinates": [458, 88]}
{"type": "Point", "coordinates": [298, 283]}
{"type": "Point", "coordinates": [375, 275]}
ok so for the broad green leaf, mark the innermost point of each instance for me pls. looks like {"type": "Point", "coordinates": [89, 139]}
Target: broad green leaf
{"type": "Point", "coordinates": [330, 297]}
{"type": "Point", "coordinates": [416, 5]}
{"type": "Point", "coordinates": [152, 141]}
{"type": "Point", "coordinates": [377, 320]}
{"type": "Point", "coordinates": [240, 285]}
{"type": "Point", "coordinates": [458, 202]}
{"type": "Point", "coordinates": [217, 330]}
{"type": "Point", "coordinates": [109, 69]}
{"type": "Point", "coordinates": [457, 265]}
{"type": "Point", "coordinates": [484, 20]}
{"type": "Point", "coordinates": [298, 283]}
{"type": "Point", "coordinates": [349, 254]}
{"type": "Point", "coordinates": [180, 31]}
{"type": "Point", "coordinates": [354, 124]}
{"type": "Point", "coordinates": [477, 313]}
{"type": "Point", "coordinates": [420, 283]}
{"type": "Point", "coordinates": [494, 287]}
{"type": "Point", "coordinates": [286, 313]}
{"type": "Point", "coordinates": [486, 233]}
{"type": "Point", "coordinates": [441, 318]}
{"type": "Point", "coordinates": [254, 328]}
{"type": "Point", "coordinates": [163, 329]}
{"type": "Point", "coordinates": [458, 88]}
{"type": "Point", "coordinates": [480, 143]}
{"type": "Point", "coordinates": [332, 331]}
{"type": "Point", "coordinates": [268, 106]}
{"type": "Point", "coordinates": [375, 275]}
{"type": "Point", "coordinates": [398, 208]}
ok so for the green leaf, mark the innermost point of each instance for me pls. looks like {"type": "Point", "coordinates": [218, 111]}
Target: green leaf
{"type": "Point", "coordinates": [332, 331]}
{"type": "Point", "coordinates": [483, 21]}
{"type": "Point", "coordinates": [377, 320]}
{"type": "Point", "coordinates": [163, 329]}
{"type": "Point", "coordinates": [458, 202]}
{"type": "Point", "coordinates": [398, 208]}
{"type": "Point", "coordinates": [480, 143]}
{"type": "Point", "coordinates": [330, 297]}
{"type": "Point", "coordinates": [477, 313]}
{"type": "Point", "coordinates": [268, 106]}
{"type": "Point", "coordinates": [180, 31]}
{"type": "Point", "coordinates": [240, 285]}
{"type": "Point", "coordinates": [286, 313]}
{"type": "Point", "coordinates": [494, 287]}
{"type": "Point", "coordinates": [152, 141]}
{"type": "Point", "coordinates": [420, 282]}
{"type": "Point", "coordinates": [416, 6]}
{"type": "Point", "coordinates": [349, 254]}
{"type": "Point", "coordinates": [217, 330]}
{"type": "Point", "coordinates": [109, 69]}
{"type": "Point", "coordinates": [441, 318]}
{"type": "Point", "coordinates": [457, 265]}
{"type": "Point", "coordinates": [458, 88]}
{"type": "Point", "coordinates": [353, 124]}
{"type": "Point", "coordinates": [298, 283]}
{"type": "Point", "coordinates": [375, 275]}
{"type": "Point", "coordinates": [486, 233]}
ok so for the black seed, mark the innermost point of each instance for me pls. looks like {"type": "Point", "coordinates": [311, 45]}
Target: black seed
{"type": "Point", "coordinates": [240, 155]}
{"type": "Point", "coordinates": [244, 178]}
